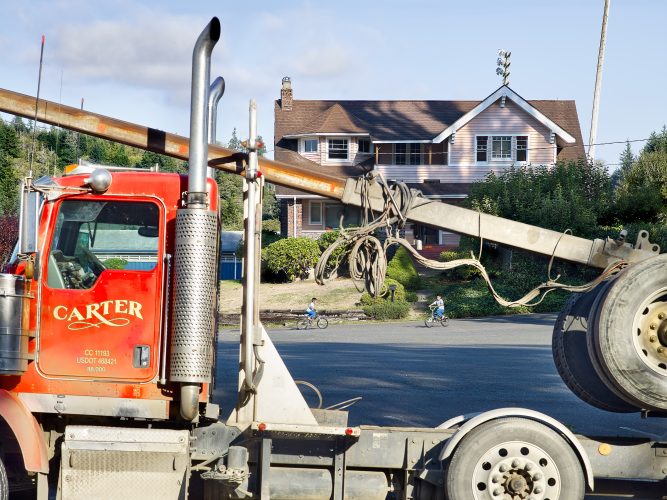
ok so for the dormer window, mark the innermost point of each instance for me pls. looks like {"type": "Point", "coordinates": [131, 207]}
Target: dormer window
{"type": "Point", "coordinates": [310, 145]}
{"type": "Point", "coordinates": [338, 149]}
{"type": "Point", "coordinates": [501, 147]}
{"type": "Point", "coordinates": [364, 145]}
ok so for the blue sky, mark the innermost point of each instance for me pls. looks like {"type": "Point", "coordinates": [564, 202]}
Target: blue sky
{"type": "Point", "coordinates": [131, 59]}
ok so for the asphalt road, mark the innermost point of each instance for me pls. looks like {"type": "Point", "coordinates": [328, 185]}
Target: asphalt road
{"type": "Point", "coordinates": [409, 375]}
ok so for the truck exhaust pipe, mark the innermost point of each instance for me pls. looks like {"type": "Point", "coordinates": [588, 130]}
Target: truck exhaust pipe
{"type": "Point", "coordinates": [193, 329]}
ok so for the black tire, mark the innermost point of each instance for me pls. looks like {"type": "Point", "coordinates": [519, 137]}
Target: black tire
{"type": "Point", "coordinates": [511, 455]}
{"type": "Point", "coordinates": [322, 323]}
{"type": "Point", "coordinates": [4, 482]}
{"type": "Point", "coordinates": [428, 321]}
{"type": "Point", "coordinates": [623, 324]}
{"type": "Point", "coordinates": [302, 324]}
{"type": "Point", "coordinates": [444, 321]}
{"type": "Point", "coordinates": [571, 357]}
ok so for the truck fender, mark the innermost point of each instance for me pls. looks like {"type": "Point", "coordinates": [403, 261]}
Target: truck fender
{"type": "Point", "coordinates": [477, 419]}
{"type": "Point", "coordinates": [27, 432]}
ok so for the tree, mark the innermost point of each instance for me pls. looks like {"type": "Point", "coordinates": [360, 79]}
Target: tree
{"type": "Point", "coordinates": [642, 192]}
{"type": "Point", "coordinates": [572, 195]}
{"type": "Point", "coordinates": [626, 160]}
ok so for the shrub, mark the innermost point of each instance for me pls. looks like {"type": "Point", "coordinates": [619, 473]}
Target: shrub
{"type": "Point", "coordinates": [399, 294]}
{"type": "Point", "coordinates": [402, 269]}
{"type": "Point", "coordinates": [382, 309]}
{"type": "Point", "coordinates": [465, 273]}
{"type": "Point", "coordinates": [271, 226]}
{"type": "Point", "coordinates": [291, 257]}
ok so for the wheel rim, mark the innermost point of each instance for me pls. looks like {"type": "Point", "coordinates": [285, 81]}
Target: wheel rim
{"type": "Point", "coordinates": [516, 470]}
{"type": "Point", "coordinates": [650, 326]}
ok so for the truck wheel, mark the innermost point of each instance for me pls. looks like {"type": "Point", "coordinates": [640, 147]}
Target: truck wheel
{"type": "Point", "coordinates": [514, 458]}
{"type": "Point", "coordinates": [629, 334]}
{"type": "Point", "coordinates": [571, 356]}
{"type": "Point", "coordinates": [4, 483]}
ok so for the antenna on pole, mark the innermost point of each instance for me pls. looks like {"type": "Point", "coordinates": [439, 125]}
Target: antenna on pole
{"type": "Point", "coordinates": [503, 68]}
{"type": "Point", "coordinates": [598, 83]}
{"type": "Point", "coordinates": [34, 121]}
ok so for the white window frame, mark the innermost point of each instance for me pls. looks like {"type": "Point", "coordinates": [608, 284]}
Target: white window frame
{"type": "Point", "coordinates": [513, 149]}
{"type": "Point", "coordinates": [477, 162]}
{"type": "Point", "coordinates": [303, 144]}
{"type": "Point", "coordinates": [340, 160]}
{"type": "Point", "coordinates": [310, 213]}
{"type": "Point", "coordinates": [501, 139]}
{"type": "Point", "coordinates": [370, 146]}
{"type": "Point", "coordinates": [516, 149]}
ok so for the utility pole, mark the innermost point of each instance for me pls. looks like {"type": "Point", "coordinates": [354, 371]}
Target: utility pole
{"type": "Point", "coordinates": [598, 83]}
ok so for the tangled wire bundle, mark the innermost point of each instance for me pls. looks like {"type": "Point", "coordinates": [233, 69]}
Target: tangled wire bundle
{"type": "Point", "coordinates": [367, 255]}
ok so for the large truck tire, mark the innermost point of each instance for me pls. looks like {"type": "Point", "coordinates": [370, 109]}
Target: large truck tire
{"type": "Point", "coordinates": [514, 458]}
{"type": "Point", "coordinates": [571, 356]}
{"type": "Point", "coordinates": [4, 482]}
{"type": "Point", "coordinates": [629, 334]}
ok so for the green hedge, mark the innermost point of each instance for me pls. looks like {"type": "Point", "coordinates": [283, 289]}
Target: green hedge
{"type": "Point", "coordinates": [291, 257]}
{"type": "Point", "coordinates": [402, 269]}
{"type": "Point", "coordinates": [399, 294]}
{"type": "Point", "coordinates": [383, 310]}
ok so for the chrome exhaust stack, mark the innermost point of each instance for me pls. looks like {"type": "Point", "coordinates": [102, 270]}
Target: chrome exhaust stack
{"type": "Point", "coordinates": [192, 343]}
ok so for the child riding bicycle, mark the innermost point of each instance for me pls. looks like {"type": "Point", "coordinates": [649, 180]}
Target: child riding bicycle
{"type": "Point", "coordinates": [438, 307]}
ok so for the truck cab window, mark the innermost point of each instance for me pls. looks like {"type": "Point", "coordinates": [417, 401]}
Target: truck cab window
{"type": "Point", "coordinates": [92, 236]}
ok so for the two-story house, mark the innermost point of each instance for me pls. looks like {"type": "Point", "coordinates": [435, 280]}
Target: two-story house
{"type": "Point", "coordinates": [439, 147]}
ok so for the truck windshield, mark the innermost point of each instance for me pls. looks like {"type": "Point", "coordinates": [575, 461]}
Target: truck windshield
{"type": "Point", "coordinates": [91, 236]}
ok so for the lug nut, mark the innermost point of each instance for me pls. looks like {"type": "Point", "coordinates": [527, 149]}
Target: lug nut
{"type": "Point", "coordinates": [503, 468]}
{"type": "Point", "coordinates": [660, 350]}
{"type": "Point", "coordinates": [652, 338]}
{"type": "Point", "coordinates": [537, 476]}
{"type": "Point", "coordinates": [661, 316]}
{"type": "Point", "coordinates": [496, 479]}
{"type": "Point", "coordinates": [497, 492]}
{"type": "Point", "coordinates": [653, 326]}
{"type": "Point", "coordinates": [529, 466]}
{"type": "Point", "coordinates": [537, 490]}
{"type": "Point", "coordinates": [516, 463]}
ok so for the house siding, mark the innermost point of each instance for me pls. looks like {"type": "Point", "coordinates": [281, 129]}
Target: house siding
{"type": "Point", "coordinates": [510, 120]}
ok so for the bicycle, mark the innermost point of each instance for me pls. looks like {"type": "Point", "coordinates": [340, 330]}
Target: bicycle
{"type": "Point", "coordinates": [431, 319]}
{"type": "Point", "coordinates": [307, 322]}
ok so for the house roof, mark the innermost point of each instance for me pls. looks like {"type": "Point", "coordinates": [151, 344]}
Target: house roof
{"type": "Point", "coordinates": [410, 121]}
{"type": "Point", "coordinates": [506, 92]}
{"type": "Point", "coordinates": [388, 121]}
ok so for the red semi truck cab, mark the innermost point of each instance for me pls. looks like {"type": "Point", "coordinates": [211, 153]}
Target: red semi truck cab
{"type": "Point", "coordinates": [97, 309]}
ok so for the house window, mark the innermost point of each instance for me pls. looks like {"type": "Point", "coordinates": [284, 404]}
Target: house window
{"type": "Point", "coordinates": [338, 149]}
{"type": "Point", "coordinates": [522, 148]}
{"type": "Point", "coordinates": [364, 145]}
{"type": "Point", "coordinates": [400, 154]}
{"type": "Point", "coordinates": [415, 154]}
{"type": "Point", "coordinates": [501, 147]}
{"type": "Point", "coordinates": [315, 217]}
{"type": "Point", "coordinates": [310, 145]}
{"type": "Point", "coordinates": [482, 144]}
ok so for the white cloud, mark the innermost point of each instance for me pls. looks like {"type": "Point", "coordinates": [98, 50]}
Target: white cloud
{"type": "Point", "coordinates": [153, 51]}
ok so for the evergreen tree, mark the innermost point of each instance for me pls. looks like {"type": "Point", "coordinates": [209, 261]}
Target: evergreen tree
{"type": "Point", "coordinates": [626, 160]}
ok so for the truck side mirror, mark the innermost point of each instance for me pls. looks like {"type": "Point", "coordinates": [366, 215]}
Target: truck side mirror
{"type": "Point", "coordinates": [28, 219]}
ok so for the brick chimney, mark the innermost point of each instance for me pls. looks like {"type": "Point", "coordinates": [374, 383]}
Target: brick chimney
{"type": "Point", "coordinates": [286, 94]}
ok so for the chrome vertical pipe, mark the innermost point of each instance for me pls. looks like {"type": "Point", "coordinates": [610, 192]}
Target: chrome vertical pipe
{"type": "Point", "coordinates": [201, 73]}
{"type": "Point", "coordinates": [215, 92]}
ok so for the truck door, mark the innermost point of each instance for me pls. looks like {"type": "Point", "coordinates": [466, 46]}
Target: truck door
{"type": "Point", "coordinates": [100, 308]}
